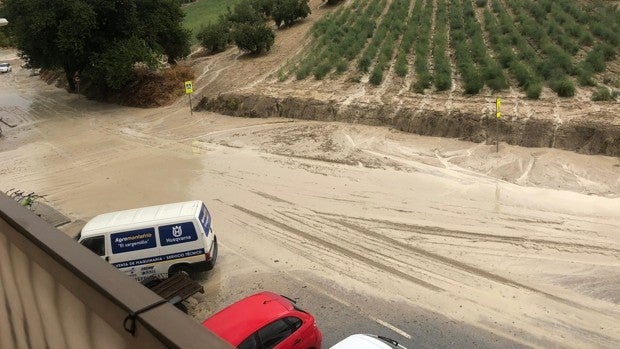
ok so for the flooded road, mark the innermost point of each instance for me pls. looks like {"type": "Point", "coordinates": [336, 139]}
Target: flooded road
{"type": "Point", "coordinates": [436, 242]}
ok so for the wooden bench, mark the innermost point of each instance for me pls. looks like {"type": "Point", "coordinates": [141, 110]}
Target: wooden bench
{"type": "Point", "coordinates": [179, 284]}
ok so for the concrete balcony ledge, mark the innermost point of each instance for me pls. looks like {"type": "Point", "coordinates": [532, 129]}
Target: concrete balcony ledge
{"type": "Point", "coordinates": [58, 294]}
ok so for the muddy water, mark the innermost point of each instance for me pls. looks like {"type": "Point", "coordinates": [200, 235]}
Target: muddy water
{"type": "Point", "coordinates": [524, 243]}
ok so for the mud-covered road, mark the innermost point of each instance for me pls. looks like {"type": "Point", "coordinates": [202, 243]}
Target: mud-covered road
{"type": "Point", "coordinates": [436, 242]}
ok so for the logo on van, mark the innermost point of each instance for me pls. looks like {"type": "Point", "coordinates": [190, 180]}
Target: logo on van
{"type": "Point", "coordinates": [177, 231]}
{"type": "Point", "coordinates": [133, 240]}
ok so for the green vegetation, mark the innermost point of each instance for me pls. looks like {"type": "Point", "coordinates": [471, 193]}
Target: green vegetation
{"type": "Point", "coordinates": [287, 11]}
{"type": "Point", "coordinates": [101, 41]}
{"type": "Point", "coordinates": [422, 20]}
{"type": "Point", "coordinates": [245, 25]}
{"type": "Point", "coordinates": [204, 12]}
{"type": "Point", "coordinates": [527, 43]}
{"type": "Point", "coordinates": [443, 71]}
{"type": "Point", "coordinates": [605, 94]}
{"type": "Point", "coordinates": [253, 37]}
{"type": "Point", "coordinates": [215, 37]}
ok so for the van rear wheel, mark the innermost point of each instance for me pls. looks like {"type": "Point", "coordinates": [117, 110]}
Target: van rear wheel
{"type": "Point", "coordinates": [181, 269]}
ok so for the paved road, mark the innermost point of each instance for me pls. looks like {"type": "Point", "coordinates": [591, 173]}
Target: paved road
{"type": "Point", "coordinates": [339, 312]}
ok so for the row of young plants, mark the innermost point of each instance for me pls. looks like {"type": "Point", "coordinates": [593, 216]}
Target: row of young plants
{"type": "Point", "coordinates": [334, 25]}
{"type": "Point", "coordinates": [557, 64]}
{"type": "Point", "coordinates": [471, 79]}
{"type": "Point", "coordinates": [401, 67]}
{"type": "Point", "coordinates": [553, 31]}
{"type": "Point", "coordinates": [534, 41]}
{"type": "Point", "coordinates": [382, 43]}
{"type": "Point", "coordinates": [490, 69]}
{"type": "Point", "coordinates": [564, 20]}
{"type": "Point", "coordinates": [442, 77]}
{"type": "Point", "coordinates": [339, 38]}
{"type": "Point", "coordinates": [512, 50]}
{"type": "Point", "coordinates": [423, 17]}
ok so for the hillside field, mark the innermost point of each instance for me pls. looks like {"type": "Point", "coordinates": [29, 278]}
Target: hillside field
{"type": "Point", "coordinates": [467, 45]}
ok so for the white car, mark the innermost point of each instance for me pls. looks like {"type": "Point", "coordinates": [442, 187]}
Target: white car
{"type": "Point", "coordinates": [367, 341]}
{"type": "Point", "coordinates": [5, 67]}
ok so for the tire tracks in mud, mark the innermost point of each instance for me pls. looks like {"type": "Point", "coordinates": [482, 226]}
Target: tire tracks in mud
{"type": "Point", "coordinates": [339, 249]}
{"type": "Point", "coordinates": [422, 253]}
{"type": "Point", "coordinates": [515, 240]}
{"type": "Point", "coordinates": [453, 263]}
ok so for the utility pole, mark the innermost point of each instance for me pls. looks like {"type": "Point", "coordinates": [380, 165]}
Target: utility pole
{"type": "Point", "coordinates": [498, 115]}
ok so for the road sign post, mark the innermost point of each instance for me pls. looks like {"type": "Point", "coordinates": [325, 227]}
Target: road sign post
{"type": "Point", "coordinates": [189, 89]}
{"type": "Point", "coordinates": [498, 115]}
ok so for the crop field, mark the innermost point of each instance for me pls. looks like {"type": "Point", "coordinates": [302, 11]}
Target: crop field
{"type": "Point", "coordinates": [431, 45]}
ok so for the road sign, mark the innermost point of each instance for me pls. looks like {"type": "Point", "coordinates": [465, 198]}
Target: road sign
{"type": "Point", "coordinates": [188, 87]}
{"type": "Point", "coordinates": [498, 104]}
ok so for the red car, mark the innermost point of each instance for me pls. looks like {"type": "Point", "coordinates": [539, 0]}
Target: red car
{"type": "Point", "coordinates": [264, 321]}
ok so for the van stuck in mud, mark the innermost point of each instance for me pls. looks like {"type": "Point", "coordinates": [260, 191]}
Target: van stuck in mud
{"type": "Point", "coordinates": [158, 240]}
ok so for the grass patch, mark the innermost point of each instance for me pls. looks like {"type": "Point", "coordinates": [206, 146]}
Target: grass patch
{"type": "Point", "coordinates": [203, 12]}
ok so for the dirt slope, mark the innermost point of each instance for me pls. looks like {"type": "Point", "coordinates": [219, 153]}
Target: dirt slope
{"type": "Point", "coordinates": [236, 84]}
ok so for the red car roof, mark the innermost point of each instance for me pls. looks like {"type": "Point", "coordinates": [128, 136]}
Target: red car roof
{"type": "Point", "coordinates": [237, 321]}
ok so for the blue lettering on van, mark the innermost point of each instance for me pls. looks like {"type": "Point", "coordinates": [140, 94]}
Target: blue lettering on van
{"type": "Point", "coordinates": [177, 233]}
{"type": "Point", "coordinates": [133, 240]}
{"type": "Point", "coordinates": [161, 258]}
{"type": "Point", "coordinates": [205, 220]}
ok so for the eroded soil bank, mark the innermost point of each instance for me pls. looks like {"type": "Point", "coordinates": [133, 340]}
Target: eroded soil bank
{"type": "Point", "coordinates": [589, 133]}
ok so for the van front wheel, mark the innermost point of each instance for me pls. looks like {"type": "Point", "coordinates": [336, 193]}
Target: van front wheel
{"type": "Point", "coordinates": [180, 268]}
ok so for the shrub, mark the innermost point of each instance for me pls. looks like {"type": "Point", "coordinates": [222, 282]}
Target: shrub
{"type": "Point", "coordinates": [243, 12]}
{"type": "Point", "coordinates": [506, 56]}
{"type": "Point", "coordinates": [265, 7]}
{"type": "Point", "coordinates": [521, 73]}
{"type": "Point", "coordinates": [596, 60]}
{"type": "Point", "coordinates": [215, 36]}
{"type": "Point", "coordinates": [321, 70]}
{"type": "Point", "coordinates": [288, 11]}
{"type": "Point", "coordinates": [481, 3]}
{"type": "Point", "coordinates": [442, 77]}
{"type": "Point", "coordinates": [377, 76]}
{"type": "Point", "coordinates": [424, 81]}
{"type": "Point", "coordinates": [584, 76]}
{"type": "Point", "coordinates": [303, 71]}
{"type": "Point", "coordinates": [564, 87]}
{"type": "Point", "coordinates": [604, 94]}
{"type": "Point", "coordinates": [364, 63]}
{"type": "Point", "coordinates": [609, 53]}
{"type": "Point", "coordinates": [253, 37]}
{"type": "Point", "coordinates": [472, 81]}
{"type": "Point", "coordinates": [401, 65]}
{"type": "Point", "coordinates": [342, 66]}
{"type": "Point", "coordinates": [533, 90]}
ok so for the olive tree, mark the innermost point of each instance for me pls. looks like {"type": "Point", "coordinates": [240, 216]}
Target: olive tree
{"type": "Point", "coordinates": [254, 37]}
{"type": "Point", "coordinates": [101, 40]}
{"type": "Point", "coordinates": [288, 11]}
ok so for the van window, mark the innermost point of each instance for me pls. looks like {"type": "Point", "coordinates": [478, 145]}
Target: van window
{"type": "Point", "coordinates": [205, 220]}
{"type": "Point", "coordinates": [95, 244]}
{"type": "Point", "coordinates": [177, 233]}
{"type": "Point", "coordinates": [133, 240]}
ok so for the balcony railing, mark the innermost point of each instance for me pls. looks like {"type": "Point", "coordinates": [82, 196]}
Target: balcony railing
{"type": "Point", "coordinates": [57, 294]}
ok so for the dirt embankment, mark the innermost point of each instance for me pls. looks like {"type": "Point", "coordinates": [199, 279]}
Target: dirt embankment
{"type": "Point", "coordinates": [231, 83]}
{"type": "Point", "coordinates": [592, 133]}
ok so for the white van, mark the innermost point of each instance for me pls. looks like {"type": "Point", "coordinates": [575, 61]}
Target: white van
{"type": "Point", "coordinates": [367, 341]}
{"type": "Point", "coordinates": [156, 240]}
